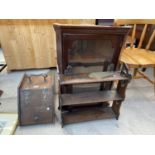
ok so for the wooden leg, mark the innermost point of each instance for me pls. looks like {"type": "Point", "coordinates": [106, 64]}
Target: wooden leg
{"type": "Point", "coordinates": [116, 108]}
{"type": "Point", "coordinates": [146, 77]}
{"type": "Point", "coordinates": [135, 72]}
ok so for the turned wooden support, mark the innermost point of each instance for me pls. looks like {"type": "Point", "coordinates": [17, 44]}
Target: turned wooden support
{"type": "Point", "coordinates": [135, 72]}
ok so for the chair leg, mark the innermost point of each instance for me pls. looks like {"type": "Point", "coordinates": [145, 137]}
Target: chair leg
{"type": "Point", "coordinates": [146, 77]}
{"type": "Point", "coordinates": [135, 72]}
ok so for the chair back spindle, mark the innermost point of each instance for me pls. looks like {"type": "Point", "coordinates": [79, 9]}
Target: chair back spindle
{"type": "Point", "coordinates": [142, 36]}
{"type": "Point", "coordinates": [150, 40]}
{"type": "Point", "coordinates": [133, 36]}
{"type": "Point", "coordinates": [136, 22]}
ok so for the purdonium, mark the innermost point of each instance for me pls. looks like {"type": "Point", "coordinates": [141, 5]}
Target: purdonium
{"type": "Point", "coordinates": [36, 99]}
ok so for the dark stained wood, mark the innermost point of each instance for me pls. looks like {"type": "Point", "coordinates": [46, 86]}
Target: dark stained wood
{"type": "Point", "coordinates": [116, 108]}
{"type": "Point", "coordinates": [87, 46]}
{"type": "Point", "coordinates": [84, 78]}
{"type": "Point", "coordinates": [87, 114]}
{"type": "Point", "coordinates": [66, 35]}
{"type": "Point", "coordinates": [89, 97]}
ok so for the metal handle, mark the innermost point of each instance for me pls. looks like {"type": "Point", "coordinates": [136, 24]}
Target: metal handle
{"type": "Point", "coordinates": [43, 75]}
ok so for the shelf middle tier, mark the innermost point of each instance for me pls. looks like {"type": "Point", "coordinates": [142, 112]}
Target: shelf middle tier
{"type": "Point", "coordinates": [85, 78]}
{"type": "Point", "coordinates": [89, 97]}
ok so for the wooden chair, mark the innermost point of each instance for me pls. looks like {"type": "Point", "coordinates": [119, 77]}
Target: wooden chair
{"type": "Point", "coordinates": [138, 57]}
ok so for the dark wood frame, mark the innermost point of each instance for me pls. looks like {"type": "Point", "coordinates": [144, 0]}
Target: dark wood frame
{"type": "Point", "coordinates": [73, 111]}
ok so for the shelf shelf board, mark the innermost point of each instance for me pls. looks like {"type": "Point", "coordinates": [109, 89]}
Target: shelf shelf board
{"type": "Point", "coordinates": [88, 114]}
{"type": "Point", "coordinates": [89, 98]}
{"type": "Point", "coordinates": [84, 78]}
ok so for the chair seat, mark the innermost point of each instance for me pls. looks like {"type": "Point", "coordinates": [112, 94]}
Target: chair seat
{"type": "Point", "coordinates": [135, 57]}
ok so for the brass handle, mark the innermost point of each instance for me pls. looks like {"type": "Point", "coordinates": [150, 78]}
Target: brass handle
{"type": "Point", "coordinates": [43, 75]}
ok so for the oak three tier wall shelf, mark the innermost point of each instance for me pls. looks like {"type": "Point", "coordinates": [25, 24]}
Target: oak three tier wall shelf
{"type": "Point", "coordinates": [92, 85]}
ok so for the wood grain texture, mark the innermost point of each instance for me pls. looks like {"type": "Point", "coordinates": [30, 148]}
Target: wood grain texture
{"type": "Point", "coordinates": [150, 40]}
{"type": "Point", "coordinates": [89, 97]}
{"type": "Point", "coordinates": [88, 114]}
{"type": "Point", "coordinates": [133, 35]}
{"type": "Point", "coordinates": [84, 78]}
{"type": "Point", "coordinates": [30, 44]}
{"type": "Point", "coordinates": [142, 36]}
{"type": "Point", "coordinates": [74, 95]}
{"type": "Point", "coordinates": [139, 57]}
{"type": "Point", "coordinates": [133, 21]}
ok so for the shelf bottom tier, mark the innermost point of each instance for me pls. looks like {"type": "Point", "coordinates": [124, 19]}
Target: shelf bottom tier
{"type": "Point", "coordinates": [87, 114]}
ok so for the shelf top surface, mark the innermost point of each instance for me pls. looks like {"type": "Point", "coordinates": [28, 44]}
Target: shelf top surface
{"type": "Point", "coordinates": [94, 77]}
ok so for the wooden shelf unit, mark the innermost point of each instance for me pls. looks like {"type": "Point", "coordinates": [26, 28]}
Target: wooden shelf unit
{"type": "Point", "coordinates": [75, 46]}
{"type": "Point", "coordinates": [86, 106]}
